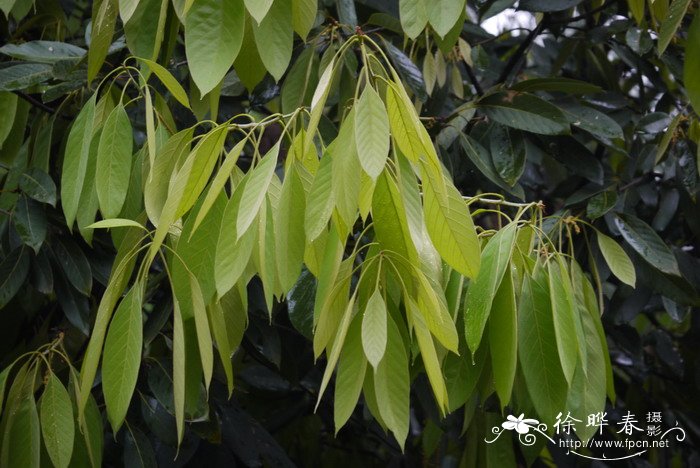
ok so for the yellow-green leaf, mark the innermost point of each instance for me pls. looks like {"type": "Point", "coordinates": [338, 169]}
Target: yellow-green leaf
{"type": "Point", "coordinates": [617, 259]}
{"type": "Point", "coordinates": [371, 132]}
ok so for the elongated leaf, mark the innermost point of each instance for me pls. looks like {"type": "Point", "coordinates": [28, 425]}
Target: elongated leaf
{"type": "Point", "coordinates": [371, 132]}
{"type": "Point", "coordinates": [507, 153]}
{"type": "Point", "coordinates": [300, 82]}
{"type": "Point", "coordinates": [374, 334]}
{"type": "Point", "coordinates": [429, 356]}
{"type": "Point", "coordinates": [22, 438]}
{"type": "Point", "coordinates": [122, 357]}
{"type": "Point", "coordinates": [414, 17]}
{"type": "Point", "coordinates": [168, 80]}
{"type": "Point", "coordinates": [30, 222]}
{"type": "Point", "coordinates": [74, 264]}
{"type": "Point", "coordinates": [670, 24]}
{"type": "Point", "coordinates": [23, 75]}
{"type": "Point", "coordinates": [525, 112]}
{"type": "Point", "coordinates": [503, 338]}
{"type": "Point", "coordinates": [178, 370]}
{"type": "Point", "coordinates": [392, 385]}
{"type": "Point", "coordinates": [38, 185]}
{"type": "Point", "coordinates": [102, 31]}
{"type": "Point", "coordinates": [43, 51]}
{"type": "Point", "coordinates": [444, 14]}
{"type": "Point", "coordinates": [691, 67]}
{"type": "Point", "coordinates": [647, 243]}
{"type": "Point", "coordinates": [57, 425]}
{"type": "Point", "coordinates": [303, 16]}
{"type": "Point", "coordinates": [347, 172]}
{"type": "Point", "coordinates": [592, 121]}
{"type": "Point", "coordinates": [258, 8]}
{"type": "Point", "coordinates": [494, 262]}
{"type": "Point", "coordinates": [75, 160]}
{"type": "Point", "coordinates": [451, 228]}
{"type": "Point", "coordinates": [274, 37]}
{"type": "Point", "coordinates": [13, 271]}
{"type": "Point", "coordinates": [114, 162]}
{"type": "Point", "coordinates": [201, 321]}
{"type": "Point", "coordinates": [320, 201]}
{"type": "Point", "coordinates": [217, 324]}
{"type": "Point", "coordinates": [616, 258]}
{"type": "Point", "coordinates": [115, 222]}
{"type": "Point", "coordinates": [352, 367]}
{"type": "Point", "coordinates": [213, 37]}
{"type": "Point", "coordinates": [537, 350]}
{"type": "Point", "coordinates": [565, 85]}
{"type": "Point", "coordinates": [290, 229]}
{"type": "Point", "coordinates": [563, 310]}
{"type": "Point", "coordinates": [255, 190]}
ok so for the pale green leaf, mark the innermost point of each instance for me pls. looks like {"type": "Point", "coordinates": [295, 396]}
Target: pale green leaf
{"type": "Point", "coordinates": [75, 160]}
{"type": "Point", "coordinates": [126, 9]}
{"type": "Point", "coordinates": [274, 37]}
{"type": "Point", "coordinates": [213, 37]}
{"type": "Point", "coordinates": [304, 16]}
{"type": "Point", "coordinates": [443, 14]}
{"type": "Point", "coordinates": [321, 200]}
{"type": "Point", "coordinates": [563, 310]}
{"type": "Point", "coordinates": [670, 24]}
{"type": "Point", "coordinates": [617, 259]}
{"type": "Point", "coordinates": [255, 190]}
{"type": "Point", "coordinates": [290, 229]}
{"type": "Point", "coordinates": [122, 356]}
{"type": "Point", "coordinates": [258, 8]}
{"type": "Point", "coordinates": [494, 263]}
{"type": "Point", "coordinates": [114, 162]}
{"type": "Point", "coordinates": [352, 367]}
{"type": "Point", "coordinates": [371, 132]}
{"type": "Point", "coordinates": [102, 31]}
{"type": "Point", "coordinates": [168, 80]}
{"type": "Point", "coordinates": [503, 338]}
{"type": "Point", "coordinates": [414, 17]}
{"type": "Point", "coordinates": [57, 425]}
{"type": "Point", "coordinates": [374, 334]}
{"type": "Point", "coordinates": [116, 222]}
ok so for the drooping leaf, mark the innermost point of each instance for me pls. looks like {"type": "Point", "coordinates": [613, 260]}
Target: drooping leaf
{"type": "Point", "coordinates": [371, 132]}
{"type": "Point", "coordinates": [670, 24]}
{"type": "Point", "coordinates": [114, 162]}
{"type": "Point", "coordinates": [75, 160]}
{"type": "Point", "coordinates": [414, 17]}
{"type": "Point", "coordinates": [478, 302]}
{"type": "Point", "coordinates": [503, 338]}
{"type": "Point", "coordinates": [122, 356]}
{"type": "Point", "coordinates": [303, 16]}
{"type": "Point", "coordinates": [537, 350]}
{"type": "Point", "coordinates": [213, 37]}
{"type": "Point", "coordinates": [508, 153]}
{"type": "Point", "coordinates": [168, 80]}
{"type": "Point", "coordinates": [564, 315]}
{"type": "Point", "coordinates": [103, 23]}
{"type": "Point", "coordinates": [320, 201]}
{"type": "Point", "coordinates": [352, 367]}
{"type": "Point", "coordinates": [38, 185]}
{"type": "Point", "coordinates": [525, 112]}
{"type": "Point", "coordinates": [691, 67]}
{"type": "Point", "coordinates": [255, 190]}
{"type": "Point", "coordinates": [616, 258]}
{"type": "Point", "coordinates": [274, 37]}
{"type": "Point", "coordinates": [290, 229]}
{"type": "Point", "coordinates": [57, 426]}
{"type": "Point", "coordinates": [642, 238]}
{"type": "Point", "coordinates": [30, 222]}
{"type": "Point", "coordinates": [443, 14]}
{"type": "Point", "coordinates": [374, 328]}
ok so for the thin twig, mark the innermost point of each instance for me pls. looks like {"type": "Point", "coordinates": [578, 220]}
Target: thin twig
{"type": "Point", "coordinates": [35, 102]}
{"type": "Point", "coordinates": [521, 50]}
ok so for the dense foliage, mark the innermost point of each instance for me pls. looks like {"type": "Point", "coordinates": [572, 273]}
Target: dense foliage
{"type": "Point", "coordinates": [315, 232]}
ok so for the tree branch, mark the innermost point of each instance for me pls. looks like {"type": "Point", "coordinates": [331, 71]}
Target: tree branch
{"type": "Point", "coordinates": [522, 50]}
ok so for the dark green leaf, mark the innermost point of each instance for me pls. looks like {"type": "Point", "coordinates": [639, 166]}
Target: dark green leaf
{"type": "Point", "coordinates": [38, 185]}
{"type": "Point", "coordinates": [13, 271]}
{"type": "Point", "coordinates": [647, 243]}
{"type": "Point", "coordinates": [30, 222]}
{"type": "Point", "coordinates": [525, 112]}
{"type": "Point", "coordinates": [23, 75]}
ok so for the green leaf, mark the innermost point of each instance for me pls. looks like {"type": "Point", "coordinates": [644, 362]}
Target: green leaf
{"type": "Point", "coordinates": [38, 185]}
{"type": "Point", "coordinates": [304, 16]}
{"type": "Point", "coordinates": [564, 85]}
{"type": "Point", "coordinates": [30, 222]}
{"type": "Point", "coordinates": [320, 201]}
{"type": "Point", "coordinates": [691, 67]}
{"type": "Point", "coordinates": [503, 338]}
{"type": "Point", "coordinates": [179, 362]}
{"type": "Point", "coordinates": [537, 350]}
{"type": "Point", "coordinates": [217, 324]}
{"type": "Point", "coordinates": [670, 24]}
{"type": "Point", "coordinates": [347, 172]}
{"type": "Point", "coordinates": [525, 112]}
{"type": "Point", "coordinates": [352, 367]}
{"type": "Point", "coordinates": [201, 322]}
{"type": "Point", "coordinates": [414, 17]}
{"type": "Point", "coordinates": [114, 162]}
{"type": "Point", "coordinates": [138, 451]}
{"type": "Point", "coordinates": [374, 334]}
{"type": "Point", "coordinates": [43, 51]}
{"type": "Point", "coordinates": [213, 37]}
{"type": "Point", "coordinates": [616, 258]}
{"type": "Point", "coordinates": [481, 158]}
{"type": "Point", "coordinates": [290, 229]}
{"type": "Point", "coordinates": [22, 438]}
{"type": "Point", "coordinates": [115, 223]}
{"type": "Point", "coordinates": [371, 132]}
{"type": "Point", "coordinates": [74, 264]}
{"type": "Point", "coordinates": [300, 82]}
{"type": "Point", "coordinates": [443, 14]}
{"type": "Point", "coordinates": [168, 80]}
{"type": "Point", "coordinates": [429, 356]}
{"type": "Point", "coordinates": [145, 29]}
{"type": "Point", "coordinates": [13, 271]}
{"type": "Point", "coordinates": [601, 203]}
{"type": "Point", "coordinates": [647, 243]}
{"type": "Point", "coordinates": [8, 102]}
{"type": "Point", "coordinates": [232, 253]}
{"type": "Point", "coordinates": [248, 65]}
{"type": "Point", "coordinates": [451, 228]}
{"type": "Point", "coordinates": [494, 262]}
{"type": "Point", "coordinates": [127, 9]}
{"type": "Point", "coordinates": [392, 384]}
{"type": "Point", "coordinates": [57, 425]}
{"type": "Point", "coordinates": [258, 8]}
{"type": "Point", "coordinates": [122, 356]}
{"type": "Point", "coordinates": [255, 190]}
{"type": "Point", "coordinates": [75, 160]}
{"type": "Point", "coordinates": [103, 23]}
{"type": "Point", "coordinates": [591, 120]}
{"type": "Point", "coordinates": [563, 310]}
{"type": "Point", "coordinates": [23, 75]}
{"type": "Point", "coordinates": [274, 37]}
{"type": "Point", "coordinates": [508, 153]}
{"type": "Point", "coordinates": [548, 5]}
